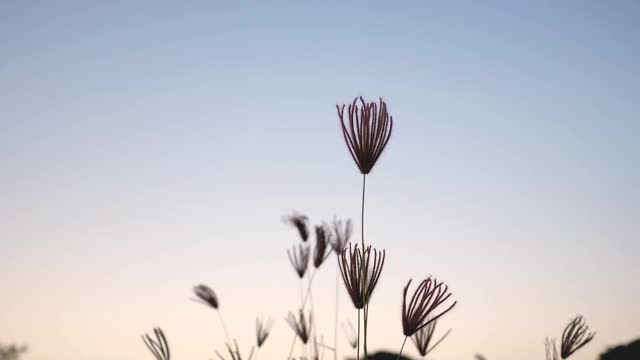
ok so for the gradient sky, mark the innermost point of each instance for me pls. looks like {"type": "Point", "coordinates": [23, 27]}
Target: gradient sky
{"type": "Point", "coordinates": [147, 148]}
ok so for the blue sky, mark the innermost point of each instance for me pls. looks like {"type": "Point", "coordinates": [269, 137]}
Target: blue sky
{"type": "Point", "coordinates": [147, 147]}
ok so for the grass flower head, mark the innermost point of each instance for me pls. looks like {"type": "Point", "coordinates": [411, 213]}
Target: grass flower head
{"type": "Point", "coordinates": [352, 261]}
{"type": "Point", "coordinates": [158, 347]}
{"type": "Point", "coordinates": [206, 295]}
{"type": "Point", "coordinates": [301, 326]}
{"type": "Point", "coordinates": [420, 311]}
{"type": "Point", "coordinates": [575, 336]}
{"type": "Point", "coordinates": [299, 258]}
{"type": "Point", "coordinates": [366, 131]}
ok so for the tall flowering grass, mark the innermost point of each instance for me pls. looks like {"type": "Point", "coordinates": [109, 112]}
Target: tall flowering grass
{"type": "Point", "coordinates": [366, 129]}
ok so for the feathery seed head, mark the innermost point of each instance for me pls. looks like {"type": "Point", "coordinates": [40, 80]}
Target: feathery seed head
{"type": "Point", "coordinates": [575, 336]}
{"type": "Point", "coordinates": [206, 296]}
{"type": "Point", "coordinates": [263, 327]}
{"type": "Point", "coordinates": [299, 258]}
{"type": "Point", "coordinates": [158, 347]}
{"type": "Point", "coordinates": [300, 222]}
{"type": "Point", "coordinates": [366, 131]}
{"type": "Point", "coordinates": [300, 326]}
{"type": "Point", "coordinates": [352, 261]}
{"type": "Point", "coordinates": [419, 312]}
{"type": "Point", "coordinates": [322, 249]}
{"type": "Point", "coordinates": [341, 234]}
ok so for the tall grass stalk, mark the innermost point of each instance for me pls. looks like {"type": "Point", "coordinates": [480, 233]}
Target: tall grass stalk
{"type": "Point", "coordinates": [315, 331]}
{"type": "Point", "coordinates": [402, 347]}
{"type": "Point", "coordinates": [364, 273]}
{"type": "Point", "coordinates": [335, 323]}
{"type": "Point", "coordinates": [224, 326]}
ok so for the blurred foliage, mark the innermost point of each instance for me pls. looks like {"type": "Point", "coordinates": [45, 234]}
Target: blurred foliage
{"type": "Point", "coordinates": [629, 351]}
{"type": "Point", "coordinates": [11, 352]}
{"type": "Point", "coordinates": [383, 355]}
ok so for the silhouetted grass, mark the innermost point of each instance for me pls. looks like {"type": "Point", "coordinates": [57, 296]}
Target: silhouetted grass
{"type": "Point", "coordinates": [366, 129]}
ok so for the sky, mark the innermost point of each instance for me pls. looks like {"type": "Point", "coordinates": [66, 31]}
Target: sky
{"type": "Point", "coordinates": [147, 147]}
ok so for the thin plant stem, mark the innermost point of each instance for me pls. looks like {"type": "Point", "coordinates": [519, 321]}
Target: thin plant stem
{"type": "Point", "coordinates": [364, 271]}
{"type": "Point", "coordinates": [402, 348]}
{"type": "Point", "coordinates": [365, 316]}
{"type": "Point", "coordinates": [358, 351]}
{"type": "Point", "coordinates": [224, 327]}
{"type": "Point", "coordinates": [315, 332]}
{"type": "Point", "coordinates": [364, 183]}
{"type": "Point", "coordinates": [293, 343]}
{"type": "Point", "coordinates": [322, 345]}
{"type": "Point", "coordinates": [306, 296]}
{"type": "Point", "coordinates": [301, 302]}
{"type": "Point", "coordinates": [304, 351]}
{"type": "Point", "coordinates": [335, 329]}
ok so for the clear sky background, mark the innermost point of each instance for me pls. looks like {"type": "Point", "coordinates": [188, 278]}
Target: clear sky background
{"type": "Point", "coordinates": [147, 147]}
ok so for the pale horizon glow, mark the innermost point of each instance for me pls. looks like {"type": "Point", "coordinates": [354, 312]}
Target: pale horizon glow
{"type": "Point", "coordinates": [150, 148]}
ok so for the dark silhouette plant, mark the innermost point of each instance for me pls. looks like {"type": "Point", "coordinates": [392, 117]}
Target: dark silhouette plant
{"type": "Point", "coordinates": [159, 346]}
{"type": "Point", "coordinates": [366, 128]}
{"type": "Point", "coordinates": [575, 335]}
{"type": "Point", "coordinates": [322, 250]}
{"type": "Point", "coordinates": [300, 222]}
{"type": "Point", "coordinates": [366, 133]}
{"type": "Point", "coordinates": [263, 328]}
{"type": "Point", "coordinates": [421, 309]}
{"type": "Point", "coordinates": [300, 326]}
{"type": "Point", "coordinates": [299, 258]}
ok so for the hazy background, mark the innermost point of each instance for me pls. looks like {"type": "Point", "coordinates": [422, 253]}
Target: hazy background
{"type": "Point", "coordinates": [145, 148]}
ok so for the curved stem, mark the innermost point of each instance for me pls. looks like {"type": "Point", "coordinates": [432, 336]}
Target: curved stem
{"type": "Point", "coordinates": [224, 327]}
{"type": "Point", "coordinates": [404, 342]}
